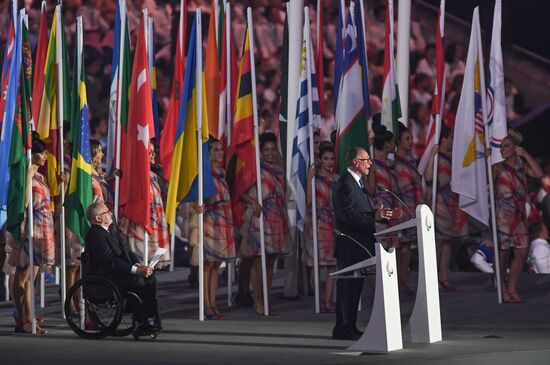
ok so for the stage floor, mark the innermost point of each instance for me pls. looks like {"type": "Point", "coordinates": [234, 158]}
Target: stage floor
{"type": "Point", "coordinates": [476, 330]}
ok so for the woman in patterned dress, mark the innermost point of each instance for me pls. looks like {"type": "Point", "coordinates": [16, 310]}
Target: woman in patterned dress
{"type": "Point", "coordinates": [159, 237]}
{"type": "Point", "coordinates": [276, 234]}
{"type": "Point", "coordinates": [325, 179]}
{"type": "Point", "coordinates": [450, 220]}
{"type": "Point", "coordinates": [43, 239]}
{"type": "Point", "coordinates": [409, 189]}
{"type": "Point", "coordinates": [510, 181]}
{"type": "Point", "coordinates": [382, 175]}
{"type": "Point", "coordinates": [100, 188]}
{"type": "Point", "coordinates": [219, 241]}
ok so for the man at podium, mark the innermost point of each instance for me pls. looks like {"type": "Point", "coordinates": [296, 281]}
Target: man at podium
{"type": "Point", "coordinates": [354, 242]}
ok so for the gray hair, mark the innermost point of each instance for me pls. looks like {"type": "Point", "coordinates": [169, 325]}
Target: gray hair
{"type": "Point", "coordinates": [93, 211]}
{"type": "Point", "coordinates": [352, 155]}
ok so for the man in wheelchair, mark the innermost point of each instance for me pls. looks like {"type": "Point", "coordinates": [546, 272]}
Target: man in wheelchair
{"type": "Point", "coordinates": [109, 257]}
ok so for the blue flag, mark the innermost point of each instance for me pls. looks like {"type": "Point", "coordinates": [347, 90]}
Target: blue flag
{"type": "Point", "coordinates": [361, 47]}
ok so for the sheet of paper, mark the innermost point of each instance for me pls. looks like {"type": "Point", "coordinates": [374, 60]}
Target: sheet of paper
{"type": "Point", "coordinates": [158, 254]}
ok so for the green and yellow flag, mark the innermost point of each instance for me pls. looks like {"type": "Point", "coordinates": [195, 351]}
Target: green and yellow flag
{"type": "Point", "coordinates": [79, 195]}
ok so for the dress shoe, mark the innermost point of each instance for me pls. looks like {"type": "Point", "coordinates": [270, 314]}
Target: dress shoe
{"type": "Point", "coordinates": [349, 336]}
{"type": "Point", "coordinates": [356, 332]}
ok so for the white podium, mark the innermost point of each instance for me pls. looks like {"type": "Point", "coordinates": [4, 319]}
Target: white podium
{"type": "Point", "coordinates": [424, 325]}
{"type": "Point", "coordinates": [383, 333]}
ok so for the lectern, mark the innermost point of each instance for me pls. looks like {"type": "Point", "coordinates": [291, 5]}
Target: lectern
{"type": "Point", "coordinates": [383, 333]}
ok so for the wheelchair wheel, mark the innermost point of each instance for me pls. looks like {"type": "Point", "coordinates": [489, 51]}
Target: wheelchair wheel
{"type": "Point", "coordinates": [99, 304]}
{"type": "Point", "coordinates": [132, 305]}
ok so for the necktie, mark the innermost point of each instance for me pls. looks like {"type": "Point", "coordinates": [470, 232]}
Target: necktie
{"type": "Point", "coordinates": [361, 184]}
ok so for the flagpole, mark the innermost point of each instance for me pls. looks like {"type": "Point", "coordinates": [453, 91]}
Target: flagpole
{"type": "Point", "coordinates": [198, 82]}
{"type": "Point", "coordinates": [30, 229]}
{"type": "Point", "coordinates": [436, 160]}
{"type": "Point", "coordinates": [60, 91]}
{"type": "Point", "coordinates": [309, 58]}
{"type": "Point", "coordinates": [439, 116]}
{"type": "Point", "coordinates": [182, 52]}
{"type": "Point", "coordinates": [258, 167]}
{"type": "Point", "coordinates": [30, 226]}
{"type": "Point", "coordinates": [172, 249]}
{"type": "Point", "coordinates": [146, 28]}
{"type": "Point", "coordinates": [216, 19]}
{"type": "Point", "coordinates": [295, 22]}
{"type": "Point", "coordinates": [228, 114]}
{"type": "Point", "coordinates": [118, 125]}
{"type": "Point", "coordinates": [403, 53]}
{"type": "Point", "coordinates": [80, 42]}
{"type": "Point", "coordinates": [489, 173]}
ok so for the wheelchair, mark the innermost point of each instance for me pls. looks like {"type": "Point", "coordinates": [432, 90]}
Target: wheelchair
{"type": "Point", "coordinates": [102, 309]}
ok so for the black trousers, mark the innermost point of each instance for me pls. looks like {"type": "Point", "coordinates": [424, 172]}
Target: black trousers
{"type": "Point", "coordinates": [348, 294]}
{"type": "Point", "coordinates": [146, 288]}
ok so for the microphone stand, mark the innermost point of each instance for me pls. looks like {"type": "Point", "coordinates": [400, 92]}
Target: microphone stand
{"type": "Point", "coordinates": [339, 233]}
{"type": "Point", "coordinates": [381, 188]}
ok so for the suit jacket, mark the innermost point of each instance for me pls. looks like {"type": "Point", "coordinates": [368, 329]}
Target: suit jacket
{"type": "Point", "coordinates": [545, 207]}
{"type": "Point", "coordinates": [108, 255]}
{"type": "Point", "coordinates": [354, 216]}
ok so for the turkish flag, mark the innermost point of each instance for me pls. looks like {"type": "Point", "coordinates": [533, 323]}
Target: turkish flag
{"type": "Point", "coordinates": [135, 194]}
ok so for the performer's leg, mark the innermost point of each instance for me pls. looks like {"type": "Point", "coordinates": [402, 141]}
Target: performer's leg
{"type": "Point", "coordinates": [244, 272]}
{"type": "Point", "coordinates": [516, 266]}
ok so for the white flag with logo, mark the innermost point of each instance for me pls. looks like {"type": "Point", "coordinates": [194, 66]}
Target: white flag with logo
{"type": "Point", "coordinates": [469, 174]}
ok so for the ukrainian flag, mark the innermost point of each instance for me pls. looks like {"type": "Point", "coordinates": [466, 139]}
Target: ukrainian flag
{"type": "Point", "coordinates": [183, 184]}
{"type": "Point", "coordinates": [79, 196]}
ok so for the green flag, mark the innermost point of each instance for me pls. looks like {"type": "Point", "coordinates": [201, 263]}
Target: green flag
{"type": "Point", "coordinates": [20, 141]}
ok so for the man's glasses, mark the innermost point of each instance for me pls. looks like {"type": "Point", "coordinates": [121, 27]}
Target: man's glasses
{"type": "Point", "coordinates": [106, 212]}
{"type": "Point", "coordinates": [364, 159]}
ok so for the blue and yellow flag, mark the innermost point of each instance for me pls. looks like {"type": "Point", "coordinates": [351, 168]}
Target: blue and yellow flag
{"type": "Point", "coordinates": [79, 195]}
{"type": "Point", "coordinates": [185, 170]}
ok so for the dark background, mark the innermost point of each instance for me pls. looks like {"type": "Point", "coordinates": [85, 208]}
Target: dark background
{"type": "Point", "coordinates": [525, 23]}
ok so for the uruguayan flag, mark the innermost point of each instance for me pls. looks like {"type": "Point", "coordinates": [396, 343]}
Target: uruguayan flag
{"type": "Point", "coordinates": [307, 118]}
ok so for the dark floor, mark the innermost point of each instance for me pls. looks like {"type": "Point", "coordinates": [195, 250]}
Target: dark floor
{"type": "Point", "coordinates": [476, 330]}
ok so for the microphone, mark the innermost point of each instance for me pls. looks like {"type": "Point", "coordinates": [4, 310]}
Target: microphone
{"type": "Point", "coordinates": [339, 233]}
{"type": "Point", "coordinates": [379, 187]}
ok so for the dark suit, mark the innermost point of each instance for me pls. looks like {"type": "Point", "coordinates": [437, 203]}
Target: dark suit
{"type": "Point", "coordinates": [545, 207]}
{"type": "Point", "coordinates": [109, 257]}
{"type": "Point", "coordinates": [354, 216]}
